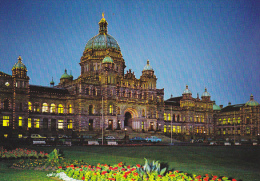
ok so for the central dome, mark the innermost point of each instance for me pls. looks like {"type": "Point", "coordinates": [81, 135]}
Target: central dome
{"type": "Point", "coordinates": [102, 40]}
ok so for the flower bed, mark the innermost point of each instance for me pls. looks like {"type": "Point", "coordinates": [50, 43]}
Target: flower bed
{"type": "Point", "coordinates": [22, 153]}
{"type": "Point", "coordinates": [120, 172]}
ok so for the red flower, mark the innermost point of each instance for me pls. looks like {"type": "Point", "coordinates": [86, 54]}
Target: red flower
{"type": "Point", "coordinates": [123, 169]}
{"type": "Point", "coordinates": [128, 167]}
{"type": "Point", "coordinates": [111, 179]}
{"type": "Point", "coordinates": [71, 165]}
{"type": "Point", "coordinates": [234, 179]}
{"type": "Point", "coordinates": [81, 170]}
{"type": "Point", "coordinates": [133, 169]}
{"type": "Point", "coordinates": [104, 172]}
{"type": "Point", "coordinates": [177, 171]}
{"type": "Point", "coordinates": [138, 165]}
{"type": "Point", "coordinates": [110, 168]}
{"type": "Point", "coordinates": [160, 176]}
{"type": "Point", "coordinates": [60, 167]}
{"type": "Point", "coordinates": [172, 175]}
{"type": "Point", "coordinates": [83, 178]}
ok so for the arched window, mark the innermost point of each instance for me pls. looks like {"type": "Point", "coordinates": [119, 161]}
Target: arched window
{"type": "Point", "coordinates": [90, 108]}
{"type": "Point", "coordinates": [169, 117]}
{"type": "Point", "coordinates": [70, 124]}
{"type": "Point", "coordinates": [87, 91]}
{"type": "Point", "coordinates": [111, 109]}
{"type": "Point", "coordinates": [44, 107]}
{"type": "Point", "coordinates": [53, 107]}
{"type": "Point", "coordinates": [70, 109]}
{"type": "Point", "coordinates": [60, 109]}
{"type": "Point", "coordinates": [94, 91]}
{"type": "Point", "coordinates": [165, 116]}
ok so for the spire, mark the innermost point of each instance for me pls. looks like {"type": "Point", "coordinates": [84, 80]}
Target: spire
{"type": "Point", "coordinates": [251, 97]}
{"type": "Point", "coordinates": [20, 59]}
{"type": "Point", "coordinates": [52, 82]}
{"type": "Point", "coordinates": [103, 25]}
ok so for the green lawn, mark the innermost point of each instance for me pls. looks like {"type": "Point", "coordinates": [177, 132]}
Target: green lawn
{"type": "Point", "coordinates": [239, 162]}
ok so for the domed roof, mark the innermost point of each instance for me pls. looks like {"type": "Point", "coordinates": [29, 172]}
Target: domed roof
{"type": "Point", "coordinates": [107, 59]}
{"type": "Point", "coordinates": [252, 102]}
{"type": "Point", "coordinates": [148, 66]}
{"type": "Point", "coordinates": [102, 40]}
{"type": "Point", "coordinates": [205, 94]}
{"type": "Point", "coordinates": [187, 90]}
{"type": "Point", "coordinates": [65, 75]}
{"type": "Point", "coordinates": [19, 64]}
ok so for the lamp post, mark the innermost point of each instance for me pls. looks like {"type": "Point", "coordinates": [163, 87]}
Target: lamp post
{"type": "Point", "coordinates": [125, 134]}
{"type": "Point", "coordinates": [171, 125]}
{"type": "Point", "coordinates": [102, 121]}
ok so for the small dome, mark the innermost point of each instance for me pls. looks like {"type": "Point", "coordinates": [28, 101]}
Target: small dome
{"type": "Point", "coordinates": [19, 64]}
{"type": "Point", "coordinates": [205, 94]}
{"type": "Point", "coordinates": [187, 90]}
{"type": "Point", "coordinates": [148, 66]}
{"type": "Point", "coordinates": [107, 59]}
{"type": "Point", "coordinates": [216, 107]}
{"type": "Point", "coordinates": [65, 75]}
{"type": "Point", "coordinates": [252, 102]}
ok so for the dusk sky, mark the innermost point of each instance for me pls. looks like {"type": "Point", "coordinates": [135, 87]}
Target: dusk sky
{"type": "Point", "coordinates": [213, 44]}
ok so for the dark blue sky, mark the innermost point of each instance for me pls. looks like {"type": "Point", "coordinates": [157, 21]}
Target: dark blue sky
{"type": "Point", "coordinates": [213, 44]}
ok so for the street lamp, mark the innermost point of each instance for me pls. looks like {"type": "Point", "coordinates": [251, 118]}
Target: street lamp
{"type": "Point", "coordinates": [125, 134]}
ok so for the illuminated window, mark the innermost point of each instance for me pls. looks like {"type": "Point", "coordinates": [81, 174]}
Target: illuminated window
{"type": "Point", "coordinates": [52, 108]}
{"type": "Point", "coordinates": [5, 135]}
{"type": "Point", "coordinates": [60, 124]}
{"type": "Point", "coordinates": [44, 107]}
{"type": "Point", "coordinates": [30, 106]}
{"type": "Point", "coordinates": [36, 107]}
{"type": "Point", "coordinates": [183, 119]}
{"type": "Point", "coordinates": [142, 125]}
{"type": "Point", "coordinates": [143, 113]}
{"type": "Point", "coordinates": [224, 121]}
{"type": "Point", "coordinates": [164, 129]}
{"type": "Point", "coordinates": [169, 117]}
{"type": "Point", "coordinates": [29, 122]}
{"type": "Point", "coordinates": [70, 108]}
{"type": "Point", "coordinates": [174, 129]}
{"type": "Point", "coordinates": [234, 121]}
{"type": "Point", "coordinates": [202, 119]}
{"type": "Point", "coordinates": [229, 122]}
{"type": "Point", "coordinates": [36, 123]}
{"type": "Point", "coordinates": [178, 129]}
{"type": "Point", "coordinates": [247, 130]}
{"type": "Point", "coordinates": [60, 109]}
{"type": "Point", "coordinates": [70, 124]}
{"type": "Point", "coordinates": [20, 135]}
{"type": "Point", "coordinates": [5, 120]}
{"type": "Point", "coordinates": [118, 110]}
{"type": "Point", "coordinates": [238, 120]}
{"type": "Point", "coordinates": [169, 128]}
{"type": "Point", "coordinates": [20, 123]}
{"type": "Point", "coordinates": [110, 109]}
{"type": "Point", "coordinates": [165, 116]}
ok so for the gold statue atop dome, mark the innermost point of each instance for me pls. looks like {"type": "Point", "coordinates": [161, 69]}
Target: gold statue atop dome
{"type": "Point", "coordinates": [103, 14]}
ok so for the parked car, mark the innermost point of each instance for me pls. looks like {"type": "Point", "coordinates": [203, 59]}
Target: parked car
{"type": "Point", "coordinates": [213, 143]}
{"type": "Point", "coordinates": [137, 139]}
{"type": "Point", "coordinates": [153, 139]}
{"type": "Point", "coordinates": [108, 138]}
{"type": "Point", "coordinates": [37, 136]}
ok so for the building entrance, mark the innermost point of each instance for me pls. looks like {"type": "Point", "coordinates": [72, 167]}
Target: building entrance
{"type": "Point", "coordinates": [127, 117]}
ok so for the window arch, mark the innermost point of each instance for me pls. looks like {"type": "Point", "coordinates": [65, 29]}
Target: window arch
{"type": "Point", "coordinates": [111, 109]}
{"type": "Point", "coordinates": [44, 107]}
{"type": "Point", "coordinates": [29, 106]}
{"type": "Point", "coordinates": [36, 107]}
{"type": "Point", "coordinates": [60, 109]}
{"type": "Point", "coordinates": [70, 109]}
{"type": "Point", "coordinates": [91, 109]}
{"type": "Point", "coordinates": [53, 107]}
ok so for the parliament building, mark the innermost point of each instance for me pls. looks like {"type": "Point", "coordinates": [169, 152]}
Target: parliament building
{"type": "Point", "coordinates": [105, 98]}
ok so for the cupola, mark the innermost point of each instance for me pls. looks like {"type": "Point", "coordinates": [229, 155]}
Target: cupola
{"type": "Point", "coordinates": [252, 102]}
